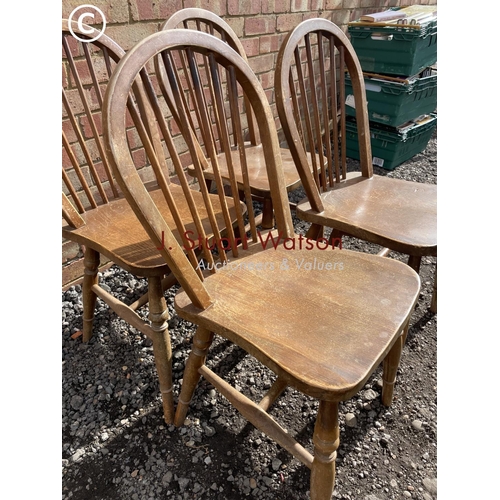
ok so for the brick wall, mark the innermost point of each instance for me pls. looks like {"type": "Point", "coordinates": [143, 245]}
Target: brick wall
{"type": "Point", "coordinates": [260, 24]}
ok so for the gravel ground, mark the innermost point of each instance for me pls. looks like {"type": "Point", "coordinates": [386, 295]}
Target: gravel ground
{"type": "Point", "coordinates": [117, 446]}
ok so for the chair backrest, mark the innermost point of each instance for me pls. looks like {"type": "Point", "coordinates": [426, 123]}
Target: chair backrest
{"type": "Point", "coordinates": [87, 178]}
{"type": "Point", "coordinates": [311, 100]}
{"type": "Point", "coordinates": [227, 73]}
{"type": "Point", "coordinates": [205, 21]}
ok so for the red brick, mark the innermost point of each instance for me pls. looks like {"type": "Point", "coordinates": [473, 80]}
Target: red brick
{"type": "Point", "coordinates": [82, 72]}
{"type": "Point", "coordinates": [260, 25]}
{"type": "Point", "coordinates": [74, 45]}
{"type": "Point", "coordinates": [261, 64]}
{"type": "Point", "coordinates": [340, 18]}
{"type": "Point", "coordinates": [275, 6]}
{"type": "Point", "coordinates": [115, 12]}
{"type": "Point", "coordinates": [351, 4]}
{"type": "Point", "coordinates": [87, 128]}
{"type": "Point", "coordinates": [270, 98]}
{"type": "Point", "coordinates": [75, 102]}
{"type": "Point", "coordinates": [66, 162]}
{"type": "Point", "coordinates": [69, 131]}
{"type": "Point", "coordinates": [143, 9]}
{"type": "Point", "coordinates": [267, 80]}
{"type": "Point", "coordinates": [128, 36]}
{"type": "Point", "coordinates": [237, 24]}
{"type": "Point", "coordinates": [169, 8]}
{"type": "Point", "coordinates": [133, 138]}
{"type": "Point", "coordinates": [315, 15]}
{"type": "Point", "coordinates": [333, 4]}
{"type": "Point", "coordinates": [317, 5]}
{"type": "Point", "coordinates": [269, 43]}
{"type": "Point", "coordinates": [128, 121]}
{"type": "Point", "coordinates": [243, 7]}
{"type": "Point", "coordinates": [139, 157]}
{"type": "Point", "coordinates": [216, 6]}
{"type": "Point", "coordinates": [300, 5]}
{"type": "Point", "coordinates": [355, 14]}
{"type": "Point", "coordinates": [287, 22]}
{"type": "Point", "coordinates": [174, 129]}
{"type": "Point", "coordinates": [251, 46]}
{"type": "Point", "coordinates": [103, 176]}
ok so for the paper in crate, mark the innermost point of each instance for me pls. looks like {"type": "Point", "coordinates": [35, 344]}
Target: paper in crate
{"type": "Point", "coordinates": [397, 49]}
{"type": "Point", "coordinates": [393, 101]}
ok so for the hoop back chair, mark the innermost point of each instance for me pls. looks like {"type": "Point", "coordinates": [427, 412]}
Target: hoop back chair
{"type": "Point", "coordinates": [208, 132]}
{"type": "Point", "coordinates": [95, 213]}
{"type": "Point", "coordinates": [325, 344]}
{"type": "Point", "coordinates": [311, 100]}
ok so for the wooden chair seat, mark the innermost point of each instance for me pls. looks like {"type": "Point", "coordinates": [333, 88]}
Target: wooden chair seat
{"type": "Point", "coordinates": [394, 213]}
{"type": "Point", "coordinates": [325, 340]}
{"type": "Point", "coordinates": [259, 183]}
{"type": "Point", "coordinates": [114, 230]}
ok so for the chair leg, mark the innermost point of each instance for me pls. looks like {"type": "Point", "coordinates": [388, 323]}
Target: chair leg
{"type": "Point", "coordinates": [336, 238]}
{"type": "Point", "coordinates": [414, 262]}
{"type": "Point", "coordinates": [201, 343]}
{"type": "Point", "coordinates": [158, 315]}
{"type": "Point", "coordinates": [326, 441]}
{"type": "Point", "coordinates": [391, 364]}
{"type": "Point", "coordinates": [91, 261]}
{"type": "Point", "coordinates": [405, 333]}
{"type": "Point", "coordinates": [267, 214]}
{"type": "Point", "coordinates": [315, 231]}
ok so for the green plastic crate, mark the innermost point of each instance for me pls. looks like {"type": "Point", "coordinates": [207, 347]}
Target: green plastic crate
{"type": "Point", "coordinates": [394, 103]}
{"type": "Point", "coordinates": [394, 50]}
{"type": "Point", "coordinates": [391, 146]}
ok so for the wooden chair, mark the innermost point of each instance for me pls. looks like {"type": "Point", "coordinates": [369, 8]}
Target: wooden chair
{"type": "Point", "coordinates": [207, 133]}
{"type": "Point", "coordinates": [322, 320]}
{"type": "Point", "coordinates": [310, 97]}
{"type": "Point", "coordinates": [95, 213]}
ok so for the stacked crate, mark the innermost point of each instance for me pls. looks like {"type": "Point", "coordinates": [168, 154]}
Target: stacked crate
{"type": "Point", "coordinates": [401, 88]}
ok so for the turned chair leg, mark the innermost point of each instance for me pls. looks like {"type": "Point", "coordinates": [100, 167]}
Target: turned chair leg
{"type": "Point", "coordinates": [201, 342]}
{"type": "Point", "coordinates": [91, 262]}
{"type": "Point", "coordinates": [267, 214]}
{"type": "Point", "coordinates": [158, 315]}
{"type": "Point", "coordinates": [326, 441]}
{"type": "Point", "coordinates": [391, 364]}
